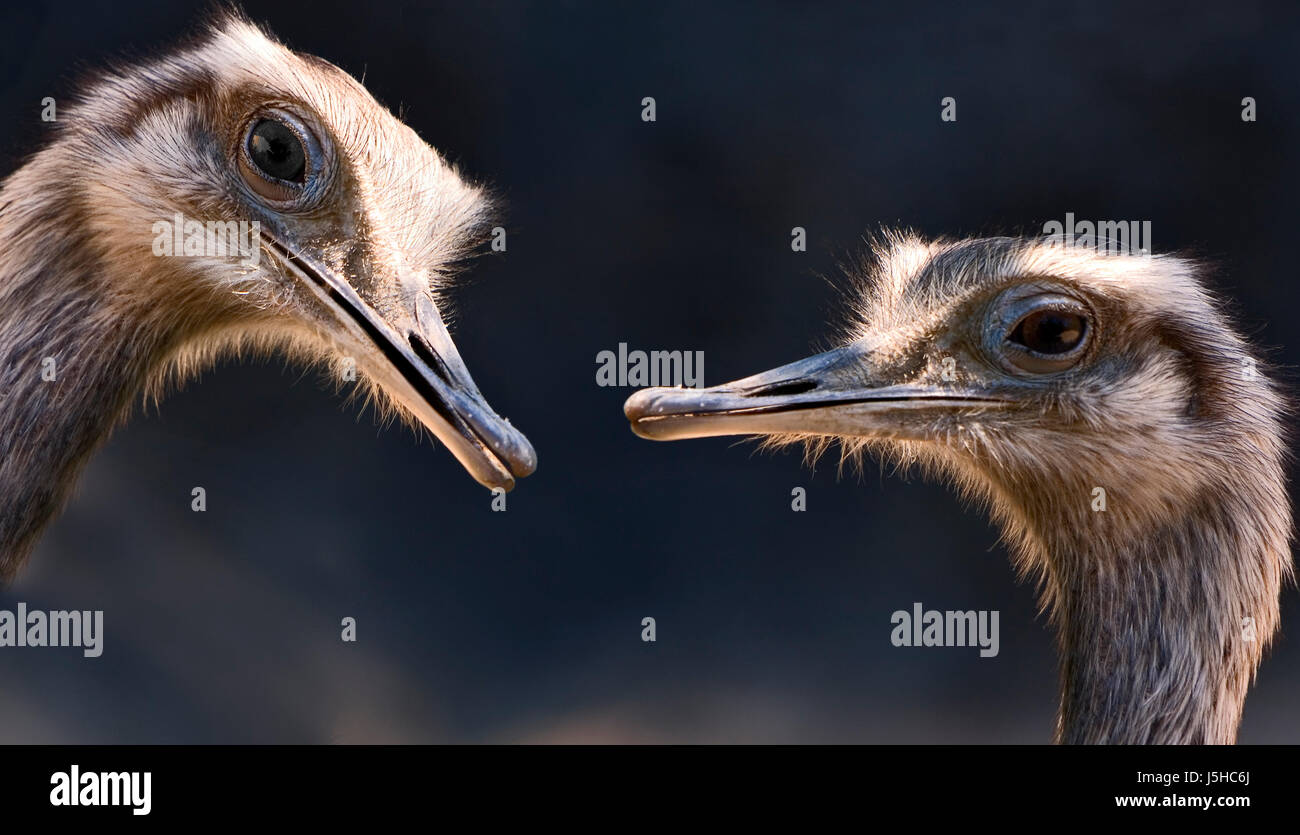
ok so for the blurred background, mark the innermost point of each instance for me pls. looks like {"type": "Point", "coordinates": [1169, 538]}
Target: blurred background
{"type": "Point", "coordinates": [524, 626]}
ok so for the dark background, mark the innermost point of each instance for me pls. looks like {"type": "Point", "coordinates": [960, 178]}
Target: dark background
{"type": "Point", "coordinates": [525, 626]}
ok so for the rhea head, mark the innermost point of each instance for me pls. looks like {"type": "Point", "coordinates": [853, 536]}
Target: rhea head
{"type": "Point", "coordinates": [362, 225]}
{"type": "Point", "coordinates": [1031, 374]}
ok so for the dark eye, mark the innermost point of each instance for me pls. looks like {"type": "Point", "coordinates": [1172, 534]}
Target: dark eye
{"type": "Point", "coordinates": [1050, 332]}
{"type": "Point", "coordinates": [1043, 334]}
{"type": "Point", "coordinates": [277, 151]}
{"type": "Point", "coordinates": [283, 155]}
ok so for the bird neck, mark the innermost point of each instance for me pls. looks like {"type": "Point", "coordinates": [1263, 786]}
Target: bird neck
{"type": "Point", "coordinates": [73, 353]}
{"type": "Point", "coordinates": [1161, 631]}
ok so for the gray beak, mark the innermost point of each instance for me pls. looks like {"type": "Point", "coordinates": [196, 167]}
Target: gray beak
{"type": "Point", "coordinates": [412, 357]}
{"type": "Point", "coordinates": [827, 394]}
{"type": "Point", "coordinates": [485, 443]}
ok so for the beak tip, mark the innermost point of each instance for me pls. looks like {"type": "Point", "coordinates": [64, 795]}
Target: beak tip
{"type": "Point", "coordinates": [641, 404]}
{"type": "Point", "coordinates": [525, 465]}
{"type": "Point", "coordinates": [639, 430]}
{"type": "Point", "coordinates": [638, 407]}
{"type": "Point", "coordinates": [649, 411]}
{"type": "Point", "coordinates": [632, 407]}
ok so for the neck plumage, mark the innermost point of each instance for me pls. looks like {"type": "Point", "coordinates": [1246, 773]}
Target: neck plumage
{"type": "Point", "coordinates": [73, 354]}
{"type": "Point", "coordinates": [1160, 632]}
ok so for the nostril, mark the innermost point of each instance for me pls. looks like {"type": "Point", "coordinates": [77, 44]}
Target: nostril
{"type": "Point", "coordinates": [783, 389]}
{"type": "Point", "coordinates": [431, 359]}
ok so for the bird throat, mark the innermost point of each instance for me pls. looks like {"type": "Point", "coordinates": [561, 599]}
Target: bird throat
{"type": "Point", "coordinates": [74, 354]}
{"type": "Point", "coordinates": [1160, 634]}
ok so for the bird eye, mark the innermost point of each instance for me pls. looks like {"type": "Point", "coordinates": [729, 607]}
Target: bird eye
{"type": "Point", "coordinates": [1050, 332]}
{"type": "Point", "coordinates": [1051, 337]}
{"type": "Point", "coordinates": [279, 157]}
{"type": "Point", "coordinates": [276, 149]}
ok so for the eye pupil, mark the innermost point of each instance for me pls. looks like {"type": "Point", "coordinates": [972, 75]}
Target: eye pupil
{"type": "Point", "coordinates": [277, 151]}
{"type": "Point", "coordinates": [1050, 332]}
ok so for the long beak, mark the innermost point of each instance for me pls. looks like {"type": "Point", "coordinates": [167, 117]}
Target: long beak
{"type": "Point", "coordinates": [416, 362]}
{"type": "Point", "coordinates": [828, 394]}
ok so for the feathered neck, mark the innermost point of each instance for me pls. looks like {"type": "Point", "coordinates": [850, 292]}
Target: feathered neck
{"type": "Point", "coordinates": [1160, 640]}
{"type": "Point", "coordinates": [1161, 625]}
{"type": "Point", "coordinates": [75, 350]}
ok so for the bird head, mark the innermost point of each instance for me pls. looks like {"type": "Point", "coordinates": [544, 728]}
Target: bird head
{"type": "Point", "coordinates": [352, 225]}
{"type": "Point", "coordinates": [1031, 373]}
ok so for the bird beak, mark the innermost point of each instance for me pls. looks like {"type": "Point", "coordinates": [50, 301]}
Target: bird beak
{"type": "Point", "coordinates": [411, 356]}
{"type": "Point", "coordinates": [828, 394]}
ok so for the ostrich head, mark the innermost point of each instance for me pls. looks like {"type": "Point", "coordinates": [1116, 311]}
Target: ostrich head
{"type": "Point", "coordinates": [1115, 424]}
{"type": "Point", "coordinates": [361, 224]}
